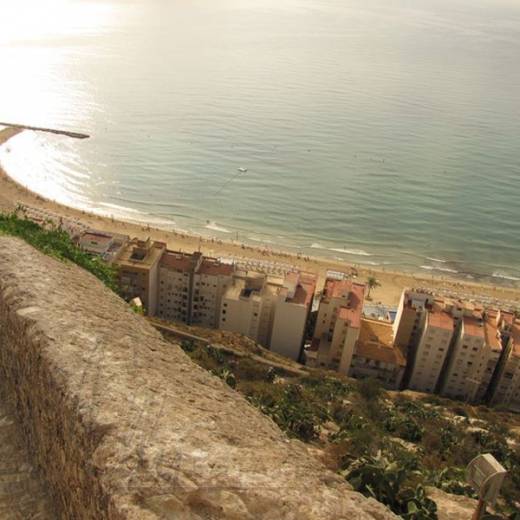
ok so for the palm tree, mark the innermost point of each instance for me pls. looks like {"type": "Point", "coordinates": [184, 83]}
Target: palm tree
{"type": "Point", "coordinates": [372, 283]}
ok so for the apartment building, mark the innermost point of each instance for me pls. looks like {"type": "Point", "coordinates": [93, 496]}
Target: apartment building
{"type": "Point", "coordinates": [491, 355]}
{"type": "Point", "coordinates": [293, 306]}
{"type": "Point", "coordinates": [248, 306]}
{"type": "Point", "coordinates": [432, 349]}
{"type": "Point", "coordinates": [506, 390]}
{"type": "Point", "coordinates": [466, 366]}
{"type": "Point", "coordinates": [377, 356]}
{"type": "Point", "coordinates": [191, 288]}
{"type": "Point", "coordinates": [175, 285]}
{"type": "Point", "coordinates": [270, 310]}
{"type": "Point", "coordinates": [337, 326]}
{"type": "Point", "coordinates": [210, 281]}
{"type": "Point", "coordinates": [106, 245]}
{"type": "Point", "coordinates": [409, 324]}
{"type": "Point", "coordinates": [138, 265]}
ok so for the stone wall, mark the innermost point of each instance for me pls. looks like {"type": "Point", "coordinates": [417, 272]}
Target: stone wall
{"type": "Point", "coordinates": [123, 425]}
{"type": "Point", "coordinates": [23, 495]}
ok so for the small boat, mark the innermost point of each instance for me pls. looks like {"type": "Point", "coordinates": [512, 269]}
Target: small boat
{"type": "Point", "coordinates": [242, 170]}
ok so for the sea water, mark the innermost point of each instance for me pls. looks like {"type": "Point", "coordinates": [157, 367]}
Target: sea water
{"type": "Point", "coordinates": [385, 133]}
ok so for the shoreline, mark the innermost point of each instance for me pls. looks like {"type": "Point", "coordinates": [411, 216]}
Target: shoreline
{"type": "Point", "coordinates": [392, 282]}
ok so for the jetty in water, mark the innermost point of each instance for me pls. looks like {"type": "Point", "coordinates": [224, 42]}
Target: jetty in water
{"type": "Point", "coordinates": [75, 135]}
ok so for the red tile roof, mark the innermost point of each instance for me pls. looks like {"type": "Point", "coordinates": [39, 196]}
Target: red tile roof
{"type": "Point", "coordinates": [212, 267]}
{"type": "Point", "coordinates": [375, 342]}
{"type": "Point", "coordinates": [353, 311]}
{"type": "Point", "coordinates": [473, 326]}
{"type": "Point", "coordinates": [338, 288]}
{"type": "Point", "coordinates": [305, 290]}
{"type": "Point", "coordinates": [440, 319]}
{"type": "Point", "coordinates": [179, 261]}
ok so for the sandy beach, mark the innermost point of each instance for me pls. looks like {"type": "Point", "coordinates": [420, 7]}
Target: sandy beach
{"type": "Point", "coordinates": [392, 283]}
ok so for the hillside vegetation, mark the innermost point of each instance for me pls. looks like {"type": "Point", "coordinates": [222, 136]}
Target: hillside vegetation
{"type": "Point", "coordinates": [388, 445]}
{"type": "Point", "coordinates": [55, 242]}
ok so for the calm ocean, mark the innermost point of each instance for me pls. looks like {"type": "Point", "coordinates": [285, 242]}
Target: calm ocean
{"type": "Point", "coordinates": [382, 132]}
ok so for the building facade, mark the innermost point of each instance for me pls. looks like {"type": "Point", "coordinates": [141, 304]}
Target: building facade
{"type": "Point", "coordinates": [292, 309]}
{"type": "Point", "coordinates": [432, 349]}
{"type": "Point", "coordinates": [506, 391]}
{"type": "Point", "coordinates": [273, 311]}
{"type": "Point", "coordinates": [138, 266]}
{"type": "Point", "coordinates": [467, 361]}
{"type": "Point", "coordinates": [191, 288]}
{"type": "Point", "coordinates": [337, 325]}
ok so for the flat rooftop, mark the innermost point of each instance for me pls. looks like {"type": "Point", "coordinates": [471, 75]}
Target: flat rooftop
{"type": "Point", "coordinates": [98, 238]}
{"type": "Point", "coordinates": [140, 253]}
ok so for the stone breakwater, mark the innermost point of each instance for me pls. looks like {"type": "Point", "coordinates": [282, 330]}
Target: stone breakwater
{"type": "Point", "coordinates": [122, 424]}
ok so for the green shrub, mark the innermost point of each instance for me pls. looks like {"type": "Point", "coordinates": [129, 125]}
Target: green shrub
{"type": "Point", "coordinates": [296, 414]}
{"type": "Point", "coordinates": [55, 242]}
{"type": "Point", "coordinates": [326, 388]}
{"type": "Point", "coordinates": [370, 389]}
{"type": "Point", "coordinates": [384, 479]}
{"type": "Point", "coordinates": [404, 427]}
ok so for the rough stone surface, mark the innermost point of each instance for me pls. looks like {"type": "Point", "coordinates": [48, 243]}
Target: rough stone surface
{"type": "Point", "coordinates": [452, 507]}
{"type": "Point", "coordinates": [124, 425]}
{"type": "Point", "coordinates": [22, 493]}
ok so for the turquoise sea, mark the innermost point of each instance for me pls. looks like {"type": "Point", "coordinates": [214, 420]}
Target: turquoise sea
{"type": "Point", "coordinates": [382, 132]}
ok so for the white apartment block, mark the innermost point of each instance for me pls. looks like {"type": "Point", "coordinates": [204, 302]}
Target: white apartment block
{"type": "Point", "coordinates": [337, 326]}
{"type": "Point", "coordinates": [460, 351]}
{"type": "Point", "coordinates": [175, 285]}
{"type": "Point", "coordinates": [138, 266]}
{"type": "Point", "coordinates": [507, 388]}
{"type": "Point", "coordinates": [432, 349]}
{"type": "Point", "coordinates": [491, 355]}
{"type": "Point", "coordinates": [210, 281]}
{"type": "Point", "coordinates": [410, 318]}
{"type": "Point", "coordinates": [272, 311]}
{"type": "Point", "coordinates": [292, 310]}
{"type": "Point", "coordinates": [468, 360]}
{"type": "Point", "coordinates": [191, 288]}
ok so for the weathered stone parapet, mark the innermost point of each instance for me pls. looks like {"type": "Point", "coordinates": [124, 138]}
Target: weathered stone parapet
{"type": "Point", "coordinates": [124, 426]}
